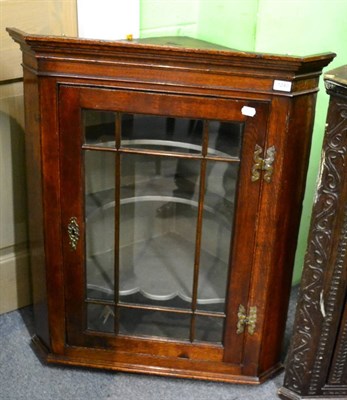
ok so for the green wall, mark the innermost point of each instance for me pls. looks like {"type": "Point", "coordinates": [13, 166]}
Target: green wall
{"type": "Point", "coordinates": [299, 27]}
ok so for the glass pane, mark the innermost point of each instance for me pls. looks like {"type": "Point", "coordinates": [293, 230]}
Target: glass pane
{"type": "Point", "coordinates": [99, 128]}
{"type": "Point", "coordinates": [161, 133]}
{"type": "Point", "coordinates": [100, 318]}
{"type": "Point", "coordinates": [217, 224]}
{"type": "Point", "coordinates": [99, 215]}
{"type": "Point", "coordinates": [159, 203]}
{"type": "Point", "coordinates": [225, 139]}
{"type": "Point", "coordinates": [154, 323]}
{"type": "Point", "coordinates": [209, 329]}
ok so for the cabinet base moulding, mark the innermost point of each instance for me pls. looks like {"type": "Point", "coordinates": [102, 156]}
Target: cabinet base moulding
{"type": "Point", "coordinates": [107, 360]}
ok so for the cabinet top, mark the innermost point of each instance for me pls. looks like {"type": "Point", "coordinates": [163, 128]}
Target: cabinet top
{"type": "Point", "coordinates": [169, 48]}
{"type": "Point", "coordinates": [173, 64]}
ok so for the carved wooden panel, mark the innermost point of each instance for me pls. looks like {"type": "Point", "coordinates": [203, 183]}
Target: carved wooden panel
{"type": "Point", "coordinates": [314, 368]}
{"type": "Point", "coordinates": [338, 373]}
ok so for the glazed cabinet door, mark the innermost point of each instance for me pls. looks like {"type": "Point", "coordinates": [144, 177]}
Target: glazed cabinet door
{"type": "Point", "coordinates": [160, 194]}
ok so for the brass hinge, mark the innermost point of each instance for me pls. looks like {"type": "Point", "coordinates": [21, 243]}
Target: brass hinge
{"type": "Point", "coordinates": [263, 164]}
{"type": "Point", "coordinates": [243, 319]}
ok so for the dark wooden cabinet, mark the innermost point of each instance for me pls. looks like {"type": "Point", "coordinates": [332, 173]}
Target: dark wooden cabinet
{"type": "Point", "coordinates": [317, 360]}
{"type": "Point", "coordinates": [165, 183]}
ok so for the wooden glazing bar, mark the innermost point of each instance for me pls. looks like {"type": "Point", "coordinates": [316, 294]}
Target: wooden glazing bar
{"type": "Point", "coordinates": [162, 153]}
{"type": "Point", "coordinates": [204, 149]}
{"type": "Point", "coordinates": [199, 230]}
{"type": "Point", "coordinates": [100, 302]}
{"type": "Point", "coordinates": [169, 309]}
{"type": "Point", "coordinates": [213, 314]}
{"type": "Point", "coordinates": [85, 307]}
{"type": "Point", "coordinates": [118, 127]}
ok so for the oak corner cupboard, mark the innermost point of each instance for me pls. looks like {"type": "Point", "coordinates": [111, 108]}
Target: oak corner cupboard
{"type": "Point", "coordinates": [165, 181]}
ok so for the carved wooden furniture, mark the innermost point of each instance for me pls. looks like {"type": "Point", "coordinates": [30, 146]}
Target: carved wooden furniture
{"type": "Point", "coordinates": [165, 184]}
{"type": "Point", "coordinates": [317, 361]}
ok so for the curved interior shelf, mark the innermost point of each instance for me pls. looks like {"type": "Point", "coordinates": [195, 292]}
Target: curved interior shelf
{"type": "Point", "coordinates": [156, 254]}
{"type": "Point", "coordinates": [153, 198]}
{"type": "Point", "coordinates": [146, 268]}
{"type": "Point", "coordinates": [106, 204]}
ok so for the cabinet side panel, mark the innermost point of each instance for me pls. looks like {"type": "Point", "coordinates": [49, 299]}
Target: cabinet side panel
{"type": "Point", "coordinates": [51, 211]}
{"type": "Point", "coordinates": [295, 163]}
{"type": "Point", "coordinates": [35, 205]}
{"type": "Point", "coordinates": [290, 133]}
